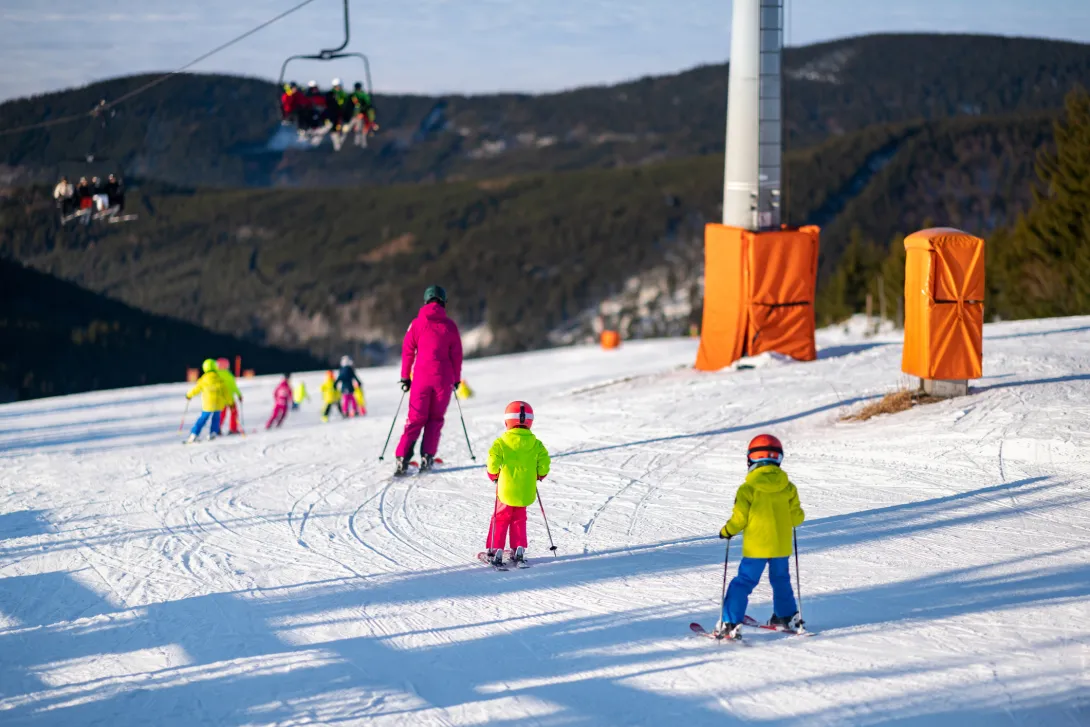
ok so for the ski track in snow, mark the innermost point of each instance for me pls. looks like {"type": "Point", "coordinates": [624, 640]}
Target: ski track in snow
{"type": "Point", "coordinates": [287, 578]}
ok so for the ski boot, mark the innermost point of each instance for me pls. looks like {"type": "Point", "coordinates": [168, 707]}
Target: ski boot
{"type": "Point", "coordinates": [788, 623]}
{"type": "Point", "coordinates": [211, 436]}
{"type": "Point", "coordinates": [519, 555]}
{"type": "Point", "coordinates": [728, 631]}
{"type": "Point", "coordinates": [325, 419]}
{"type": "Point", "coordinates": [192, 439]}
{"type": "Point", "coordinates": [495, 556]}
{"type": "Point", "coordinates": [427, 462]}
{"type": "Point", "coordinates": [402, 467]}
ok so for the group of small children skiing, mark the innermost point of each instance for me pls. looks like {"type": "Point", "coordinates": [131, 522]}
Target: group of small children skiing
{"type": "Point", "coordinates": [220, 397]}
{"type": "Point", "coordinates": [766, 506]}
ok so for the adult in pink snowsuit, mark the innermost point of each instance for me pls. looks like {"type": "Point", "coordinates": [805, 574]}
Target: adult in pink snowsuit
{"type": "Point", "coordinates": [282, 400]}
{"type": "Point", "coordinates": [431, 355]}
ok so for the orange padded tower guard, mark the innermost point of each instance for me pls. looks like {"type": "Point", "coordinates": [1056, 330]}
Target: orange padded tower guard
{"type": "Point", "coordinates": [758, 294]}
{"type": "Point", "coordinates": [944, 305]}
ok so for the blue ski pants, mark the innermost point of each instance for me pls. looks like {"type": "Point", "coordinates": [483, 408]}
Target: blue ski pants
{"type": "Point", "coordinates": [204, 417]}
{"type": "Point", "coordinates": [749, 575]}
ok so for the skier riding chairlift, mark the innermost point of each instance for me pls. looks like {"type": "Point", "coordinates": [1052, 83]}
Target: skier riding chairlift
{"type": "Point", "coordinates": [311, 113]}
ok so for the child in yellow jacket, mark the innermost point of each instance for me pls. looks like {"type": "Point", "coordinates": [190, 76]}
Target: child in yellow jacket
{"type": "Point", "coordinates": [330, 396]}
{"type": "Point", "coordinates": [767, 508]}
{"type": "Point", "coordinates": [213, 400]}
{"type": "Point", "coordinates": [517, 461]}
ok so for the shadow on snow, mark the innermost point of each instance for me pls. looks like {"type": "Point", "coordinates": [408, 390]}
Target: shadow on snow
{"type": "Point", "coordinates": [247, 662]}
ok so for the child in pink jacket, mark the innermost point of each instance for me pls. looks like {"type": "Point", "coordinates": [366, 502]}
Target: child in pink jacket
{"type": "Point", "coordinates": [282, 398]}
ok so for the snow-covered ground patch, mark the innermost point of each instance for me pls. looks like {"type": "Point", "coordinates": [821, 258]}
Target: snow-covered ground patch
{"type": "Point", "coordinates": [286, 578]}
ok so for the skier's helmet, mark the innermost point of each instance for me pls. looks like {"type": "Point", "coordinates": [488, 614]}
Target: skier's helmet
{"type": "Point", "coordinates": [336, 83]}
{"type": "Point", "coordinates": [435, 292]}
{"type": "Point", "coordinates": [518, 414]}
{"type": "Point", "coordinates": [208, 365]}
{"type": "Point", "coordinates": [346, 360]}
{"type": "Point", "coordinates": [764, 449]}
{"type": "Point", "coordinates": [223, 364]}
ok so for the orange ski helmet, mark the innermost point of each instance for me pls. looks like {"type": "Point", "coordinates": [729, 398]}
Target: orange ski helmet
{"type": "Point", "coordinates": [764, 448]}
{"type": "Point", "coordinates": [518, 414]}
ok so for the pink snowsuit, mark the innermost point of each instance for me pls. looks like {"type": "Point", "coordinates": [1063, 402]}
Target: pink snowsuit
{"type": "Point", "coordinates": [431, 355]}
{"type": "Point", "coordinates": [282, 397]}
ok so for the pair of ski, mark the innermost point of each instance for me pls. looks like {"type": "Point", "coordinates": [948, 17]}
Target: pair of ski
{"type": "Point", "coordinates": [414, 467]}
{"type": "Point", "coordinates": [219, 436]}
{"type": "Point", "coordinates": [507, 563]}
{"type": "Point", "coordinates": [749, 621]}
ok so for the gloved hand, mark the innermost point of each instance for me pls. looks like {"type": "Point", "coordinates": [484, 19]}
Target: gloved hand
{"type": "Point", "coordinates": [188, 397]}
{"type": "Point", "coordinates": [240, 398]}
{"type": "Point", "coordinates": [723, 534]}
{"type": "Point", "coordinates": [541, 477]}
{"type": "Point", "coordinates": [406, 384]}
{"type": "Point", "coordinates": [457, 384]}
{"type": "Point", "coordinates": [494, 477]}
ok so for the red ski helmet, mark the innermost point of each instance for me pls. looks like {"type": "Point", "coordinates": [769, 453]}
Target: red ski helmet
{"type": "Point", "coordinates": [764, 448]}
{"type": "Point", "coordinates": [518, 414]}
{"type": "Point", "coordinates": [223, 364]}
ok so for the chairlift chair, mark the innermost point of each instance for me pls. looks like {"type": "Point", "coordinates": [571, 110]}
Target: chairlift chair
{"type": "Point", "coordinates": [329, 54]}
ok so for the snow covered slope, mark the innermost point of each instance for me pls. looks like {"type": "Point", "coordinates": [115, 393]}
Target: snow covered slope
{"type": "Point", "coordinates": [285, 578]}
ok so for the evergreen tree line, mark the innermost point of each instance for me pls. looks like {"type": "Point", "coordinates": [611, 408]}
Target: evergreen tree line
{"type": "Point", "coordinates": [1037, 266]}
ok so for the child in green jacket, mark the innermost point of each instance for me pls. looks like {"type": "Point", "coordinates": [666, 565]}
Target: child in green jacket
{"type": "Point", "coordinates": [767, 508]}
{"type": "Point", "coordinates": [516, 462]}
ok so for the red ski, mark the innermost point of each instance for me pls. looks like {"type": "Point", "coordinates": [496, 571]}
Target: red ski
{"type": "Point", "coordinates": [750, 621]}
{"type": "Point", "coordinates": [700, 630]}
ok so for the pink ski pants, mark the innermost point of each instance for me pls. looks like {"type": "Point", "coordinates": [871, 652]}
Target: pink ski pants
{"type": "Point", "coordinates": [427, 407]}
{"type": "Point", "coordinates": [508, 518]}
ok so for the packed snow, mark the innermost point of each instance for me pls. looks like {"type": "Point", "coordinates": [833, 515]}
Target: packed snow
{"type": "Point", "coordinates": [286, 578]}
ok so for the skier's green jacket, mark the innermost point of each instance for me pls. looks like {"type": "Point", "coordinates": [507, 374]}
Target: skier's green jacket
{"type": "Point", "coordinates": [230, 386]}
{"type": "Point", "coordinates": [517, 460]}
{"type": "Point", "coordinates": [767, 507]}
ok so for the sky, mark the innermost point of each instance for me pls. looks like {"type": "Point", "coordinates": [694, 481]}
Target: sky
{"type": "Point", "coordinates": [457, 46]}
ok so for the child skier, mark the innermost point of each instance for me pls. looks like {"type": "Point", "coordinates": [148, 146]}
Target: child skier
{"type": "Point", "coordinates": [299, 395]}
{"type": "Point", "coordinates": [767, 508]}
{"type": "Point", "coordinates": [282, 398]}
{"type": "Point", "coordinates": [347, 381]}
{"type": "Point", "coordinates": [516, 462]}
{"type": "Point", "coordinates": [213, 399]}
{"type": "Point", "coordinates": [231, 391]}
{"type": "Point", "coordinates": [330, 397]}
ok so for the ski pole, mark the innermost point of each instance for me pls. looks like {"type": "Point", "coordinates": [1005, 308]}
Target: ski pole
{"type": "Point", "coordinates": [552, 546]}
{"type": "Point", "coordinates": [242, 417]}
{"type": "Point", "coordinates": [182, 425]}
{"type": "Point", "coordinates": [492, 522]}
{"type": "Point", "coordinates": [392, 425]}
{"type": "Point", "coordinates": [798, 577]}
{"type": "Point", "coordinates": [726, 567]}
{"type": "Point", "coordinates": [464, 430]}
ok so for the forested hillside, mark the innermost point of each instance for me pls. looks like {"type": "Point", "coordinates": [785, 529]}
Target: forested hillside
{"type": "Point", "coordinates": [202, 130]}
{"type": "Point", "coordinates": [60, 339]}
{"type": "Point", "coordinates": [331, 269]}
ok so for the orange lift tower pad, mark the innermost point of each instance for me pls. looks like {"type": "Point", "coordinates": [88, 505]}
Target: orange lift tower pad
{"type": "Point", "coordinates": [944, 305]}
{"type": "Point", "coordinates": [758, 294]}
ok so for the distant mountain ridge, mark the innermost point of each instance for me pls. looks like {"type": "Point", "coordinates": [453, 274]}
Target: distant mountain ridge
{"type": "Point", "coordinates": [209, 130]}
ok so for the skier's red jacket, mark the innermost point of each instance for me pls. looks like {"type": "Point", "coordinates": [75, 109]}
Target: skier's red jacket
{"type": "Point", "coordinates": [431, 354]}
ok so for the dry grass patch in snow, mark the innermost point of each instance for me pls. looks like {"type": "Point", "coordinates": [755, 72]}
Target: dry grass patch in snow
{"type": "Point", "coordinates": [900, 400]}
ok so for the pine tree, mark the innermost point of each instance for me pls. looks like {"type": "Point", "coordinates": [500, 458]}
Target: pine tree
{"type": "Point", "coordinates": [1051, 243]}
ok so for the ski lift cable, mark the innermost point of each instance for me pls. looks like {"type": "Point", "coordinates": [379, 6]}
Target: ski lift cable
{"type": "Point", "coordinates": [155, 82]}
